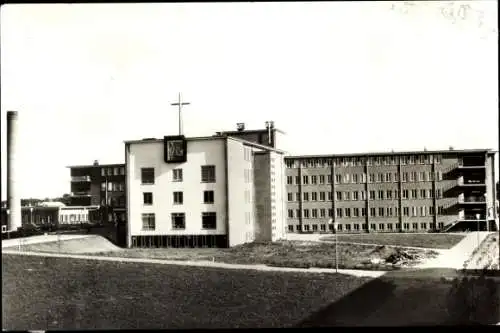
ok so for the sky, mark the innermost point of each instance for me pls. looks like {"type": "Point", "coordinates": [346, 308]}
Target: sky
{"type": "Point", "coordinates": [337, 77]}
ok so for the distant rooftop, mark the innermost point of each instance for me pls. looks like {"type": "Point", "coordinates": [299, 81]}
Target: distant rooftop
{"type": "Point", "coordinates": [389, 153]}
{"type": "Point", "coordinates": [95, 165]}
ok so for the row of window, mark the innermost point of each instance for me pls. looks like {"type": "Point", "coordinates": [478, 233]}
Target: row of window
{"type": "Point", "coordinates": [73, 218]}
{"type": "Point", "coordinates": [207, 175]}
{"type": "Point", "coordinates": [178, 220]}
{"type": "Point", "coordinates": [361, 195]}
{"type": "Point", "coordinates": [360, 161]}
{"type": "Point", "coordinates": [113, 171]}
{"type": "Point", "coordinates": [113, 202]}
{"type": "Point", "coordinates": [387, 177]}
{"type": "Point", "coordinates": [413, 211]}
{"type": "Point", "coordinates": [113, 186]}
{"type": "Point", "coordinates": [373, 226]}
{"type": "Point", "coordinates": [208, 197]}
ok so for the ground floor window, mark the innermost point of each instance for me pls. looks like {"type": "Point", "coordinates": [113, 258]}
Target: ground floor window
{"type": "Point", "coordinates": [323, 227]}
{"type": "Point", "coordinates": [356, 226]}
{"type": "Point", "coordinates": [423, 225]}
{"type": "Point", "coordinates": [364, 226]}
{"type": "Point", "coordinates": [148, 221]}
{"type": "Point", "coordinates": [178, 221]}
{"type": "Point", "coordinates": [389, 226]}
{"type": "Point", "coordinates": [441, 225]}
{"type": "Point", "coordinates": [381, 226]}
{"type": "Point", "coordinates": [339, 227]}
{"type": "Point", "coordinates": [290, 228]}
{"type": "Point", "coordinates": [209, 220]}
{"type": "Point", "coordinates": [406, 226]}
{"type": "Point", "coordinates": [415, 225]}
{"type": "Point", "coordinates": [306, 227]}
{"type": "Point", "coordinates": [373, 226]}
{"type": "Point", "coordinates": [348, 227]}
{"type": "Point", "coordinates": [315, 227]}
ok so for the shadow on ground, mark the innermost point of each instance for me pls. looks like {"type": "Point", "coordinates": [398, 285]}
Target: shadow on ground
{"type": "Point", "coordinates": [411, 297]}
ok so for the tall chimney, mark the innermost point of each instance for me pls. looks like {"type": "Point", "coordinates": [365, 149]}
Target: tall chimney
{"type": "Point", "coordinates": [14, 201]}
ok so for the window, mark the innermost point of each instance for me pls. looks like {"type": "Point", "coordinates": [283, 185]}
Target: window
{"type": "Point", "coordinates": [338, 179]}
{"type": "Point", "coordinates": [306, 213]}
{"type": "Point", "coordinates": [373, 226]}
{"type": "Point", "coordinates": [306, 196]}
{"type": "Point", "coordinates": [147, 176]}
{"type": "Point", "coordinates": [297, 213]}
{"type": "Point", "coordinates": [110, 186]}
{"type": "Point", "coordinates": [423, 194]}
{"type": "Point", "coordinates": [381, 195]}
{"type": "Point", "coordinates": [380, 177]}
{"type": "Point", "coordinates": [148, 221]}
{"type": "Point", "coordinates": [321, 179]}
{"type": "Point", "coordinates": [355, 212]}
{"type": "Point", "coordinates": [414, 194]}
{"type": "Point", "coordinates": [363, 211]}
{"type": "Point", "coordinates": [413, 211]}
{"type": "Point", "coordinates": [348, 227]}
{"type": "Point", "coordinates": [339, 196]}
{"type": "Point", "coordinates": [290, 213]}
{"type": "Point", "coordinates": [405, 194]}
{"type": "Point", "coordinates": [381, 211]}
{"type": "Point", "coordinates": [298, 228]}
{"type": "Point", "coordinates": [388, 194]}
{"type": "Point", "coordinates": [315, 227]}
{"type": "Point", "coordinates": [297, 180]}
{"type": "Point", "coordinates": [339, 212]}
{"type": "Point", "coordinates": [290, 228]}
{"type": "Point", "coordinates": [363, 195]}
{"type": "Point", "coordinates": [322, 212]}
{"type": "Point", "coordinates": [314, 213]}
{"type": "Point", "coordinates": [330, 212]}
{"type": "Point", "coordinates": [348, 212]}
{"type": "Point", "coordinates": [323, 227]}
{"type": "Point", "coordinates": [147, 198]}
{"type": "Point", "coordinates": [440, 210]}
{"type": "Point", "coordinates": [306, 227]}
{"type": "Point", "coordinates": [103, 172]}
{"type": "Point", "coordinates": [322, 196]}
{"type": "Point", "coordinates": [355, 195]}
{"type": "Point", "coordinates": [178, 198]}
{"type": "Point", "coordinates": [208, 197]}
{"type": "Point", "coordinates": [103, 186]}
{"type": "Point", "coordinates": [355, 178]}
{"type": "Point", "coordinates": [346, 178]}
{"type": "Point", "coordinates": [314, 179]}
{"type": "Point", "coordinates": [347, 195]}
{"type": "Point", "coordinates": [330, 196]}
{"type": "Point", "coordinates": [372, 178]}
{"type": "Point", "coordinates": [423, 211]}
{"type": "Point", "coordinates": [431, 194]}
{"type": "Point", "coordinates": [413, 176]}
{"type": "Point", "coordinates": [289, 163]}
{"type": "Point", "coordinates": [406, 211]}
{"type": "Point", "coordinates": [297, 196]}
{"type": "Point", "coordinates": [314, 196]}
{"type": "Point", "coordinates": [372, 195]}
{"type": "Point", "coordinates": [208, 173]}
{"type": "Point", "coordinates": [305, 180]}
{"type": "Point", "coordinates": [209, 220]}
{"type": "Point", "coordinates": [423, 225]}
{"type": "Point", "coordinates": [178, 221]}
{"type": "Point", "coordinates": [356, 226]}
{"type": "Point", "coordinates": [388, 177]}
{"type": "Point", "coordinates": [329, 179]}
{"type": "Point", "coordinates": [381, 226]}
{"type": "Point", "coordinates": [373, 211]}
{"type": "Point", "coordinates": [438, 194]}
{"type": "Point", "coordinates": [289, 180]}
{"type": "Point", "coordinates": [290, 196]}
{"type": "Point", "coordinates": [404, 177]}
{"type": "Point", "coordinates": [389, 226]}
{"type": "Point", "coordinates": [122, 171]}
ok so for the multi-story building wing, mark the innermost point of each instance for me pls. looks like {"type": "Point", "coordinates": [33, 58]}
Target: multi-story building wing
{"type": "Point", "coordinates": [102, 186]}
{"type": "Point", "coordinates": [203, 192]}
{"type": "Point", "coordinates": [389, 192]}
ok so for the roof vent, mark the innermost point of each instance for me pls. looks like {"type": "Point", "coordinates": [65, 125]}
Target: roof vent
{"type": "Point", "coordinates": [240, 127]}
{"type": "Point", "coordinates": [425, 148]}
{"type": "Point", "coordinates": [451, 148]}
{"type": "Point", "coordinates": [96, 162]}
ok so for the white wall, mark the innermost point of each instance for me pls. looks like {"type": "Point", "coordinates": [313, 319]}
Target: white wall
{"type": "Point", "coordinates": [240, 193]}
{"type": "Point", "coordinates": [280, 217]}
{"type": "Point", "coordinates": [150, 154]}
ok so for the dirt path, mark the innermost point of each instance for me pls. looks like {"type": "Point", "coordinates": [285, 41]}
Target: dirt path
{"type": "Point", "coordinates": [352, 272]}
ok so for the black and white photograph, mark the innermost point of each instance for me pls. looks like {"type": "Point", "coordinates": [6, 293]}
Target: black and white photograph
{"type": "Point", "coordinates": [249, 165]}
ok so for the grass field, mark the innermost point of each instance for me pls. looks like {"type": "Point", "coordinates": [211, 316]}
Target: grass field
{"type": "Point", "coordinates": [431, 241]}
{"type": "Point", "coordinates": [285, 254]}
{"type": "Point", "coordinates": [41, 293]}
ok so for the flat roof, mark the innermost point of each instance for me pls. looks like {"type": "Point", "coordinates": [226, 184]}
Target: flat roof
{"type": "Point", "coordinates": [213, 137]}
{"type": "Point", "coordinates": [252, 131]}
{"type": "Point", "coordinates": [94, 166]}
{"type": "Point", "coordinates": [398, 153]}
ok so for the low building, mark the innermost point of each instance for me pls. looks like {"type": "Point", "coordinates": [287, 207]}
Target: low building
{"type": "Point", "coordinates": [203, 192]}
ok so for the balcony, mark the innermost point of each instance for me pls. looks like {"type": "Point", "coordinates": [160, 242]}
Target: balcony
{"type": "Point", "coordinates": [471, 163]}
{"type": "Point", "coordinates": [470, 182]}
{"type": "Point", "coordinates": [80, 194]}
{"type": "Point", "coordinates": [80, 178]}
{"type": "Point", "coordinates": [471, 200]}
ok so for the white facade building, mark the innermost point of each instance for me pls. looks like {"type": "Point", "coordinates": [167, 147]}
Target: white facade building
{"type": "Point", "coordinates": [203, 192]}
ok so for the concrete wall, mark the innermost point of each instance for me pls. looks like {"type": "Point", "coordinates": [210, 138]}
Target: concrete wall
{"type": "Point", "coordinates": [150, 155]}
{"type": "Point", "coordinates": [278, 196]}
{"type": "Point", "coordinates": [262, 175]}
{"type": "Point", "coordinates": [240, 193]}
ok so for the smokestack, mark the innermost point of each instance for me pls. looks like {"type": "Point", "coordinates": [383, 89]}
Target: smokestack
{"type": "Point", "coordinates": [14, 201]}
